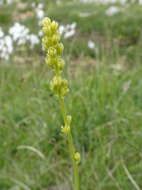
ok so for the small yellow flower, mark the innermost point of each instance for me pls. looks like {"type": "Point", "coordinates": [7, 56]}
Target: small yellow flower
{"type": "Point", "coordinates": [46, 21]}
{"type": "Point", "coordinates": [60, 64]}
{"type": "Point", "coordinates": [65, 129]}
{"type": "Point", "coordinates": [77, 157]}
{"type": "Point", "coordinates": [59, 47]}
{"type": "Point", "coordinates": [55, 39]}
{"type": "Point", "coordinates": [54, 26]}
{"type": "Point", "coordinates": [59, 86]}
{"type": "Point", "coordinates": [52, 52]}
{"type": "Point", "coordinates": [47, 30]}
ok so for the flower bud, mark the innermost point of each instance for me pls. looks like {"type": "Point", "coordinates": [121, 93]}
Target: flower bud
{"type": "Point", "coordinates": [60, 48]}
{"type": "Point", "coordinates": [60, 64]}
{"type": "Point", "coordinates": [45, 43]}
{"type": "Point", "coordinates": [54, 26]}
{"type": "Point", "coordinates": [77, 157]}
{"type": "Point", "coordinates": [46, 21]}
{"type": "Point", "coordinates": [52, 62]}
{"type": "Point", "coordinates": [55, 39]}
{"type": "Point", "coordinates": [65, 129]}
{"type": "Point", "coordinates": [59, 86]}
{"type": "Point", "coordinates": [52, 52]}
{"type": "Point", "coordinates": [47, 30]}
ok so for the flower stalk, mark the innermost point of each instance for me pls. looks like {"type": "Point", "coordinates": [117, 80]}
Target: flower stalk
{"type": "Point", "coordinates": [59, 86]}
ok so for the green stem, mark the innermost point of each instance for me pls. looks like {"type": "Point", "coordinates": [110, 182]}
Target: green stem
{"type": "Point", "coordinates": [75, 165]}
{"type": "Point", "coordinates": [71, 147]}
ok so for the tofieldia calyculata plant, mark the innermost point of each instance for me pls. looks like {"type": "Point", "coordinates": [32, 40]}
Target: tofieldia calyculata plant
{"type": "Point", "coordinates": [59, 86]}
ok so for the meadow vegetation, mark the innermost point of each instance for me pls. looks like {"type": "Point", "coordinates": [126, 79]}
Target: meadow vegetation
{"type": "Point", "coordinates": [105, 101]}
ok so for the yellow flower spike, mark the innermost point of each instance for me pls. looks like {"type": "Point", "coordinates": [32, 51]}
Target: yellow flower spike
{"type": "Point", "coordinates": [65, 129]}
{"type": "Point", "coordinates": [54, 50]}
{"type": "Point", "coordinates": [77, 157]}
{"type": "Point", "coordinates": [53, 47]}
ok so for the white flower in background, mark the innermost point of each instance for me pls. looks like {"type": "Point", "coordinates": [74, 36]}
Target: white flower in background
{"type": "Point", "coordinates": [61, 29]}
{"type": "Point", "coordinates": [33, 4]}
{"type": "Point", "coordinates": [68, 30]}
{"type": "Point", "coordinates": [40, 6]}
{"type": "Point", "coordinates": [9, 1]}
{"type": "Point", "coordinates": [72, 26]}
{"type": "Point", "coordinates": [40, 33]}
{"type": "Point", "coordinates": [9, 43]}
{"type": "Point", "coordinates": [91, 44]}
{"type": "Point", "coordinates": [33, 39]}
{"type": "Point", "coordinates": [39, 12]}
{"type": "Point", "coordinates": [19, 33]}
{"type": "Point", "coordinates": [112, 10]}
{"type": "Point", "coordinates": [1, 33]}
{"type": "Point", "coordinates": [6, 47]}
{"type": "Point", "coordinates": [58, 2]}
{"type": "Point", "coordinates": [69, 34]}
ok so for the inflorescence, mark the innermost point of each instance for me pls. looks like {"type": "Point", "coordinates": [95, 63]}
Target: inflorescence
{"type": "Point", "coordinates": [59, 86]}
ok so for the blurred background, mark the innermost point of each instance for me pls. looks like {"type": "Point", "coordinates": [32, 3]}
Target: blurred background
{"type": "Point", "coordinates": [103, 54]}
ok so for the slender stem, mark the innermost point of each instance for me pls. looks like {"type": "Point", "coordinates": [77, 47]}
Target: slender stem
{"type": "Point", "coordinates": [63, 108]}
{"type": "Point", "coordinates": [75, 165]}
{"type": "Point", "coordinates": [71, 147]}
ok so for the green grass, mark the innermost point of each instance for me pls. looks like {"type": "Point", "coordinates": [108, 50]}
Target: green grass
{"type": "Point", "coordinates": [106, 124]}
{"type": "Point", "coordinates": [104, 101]}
